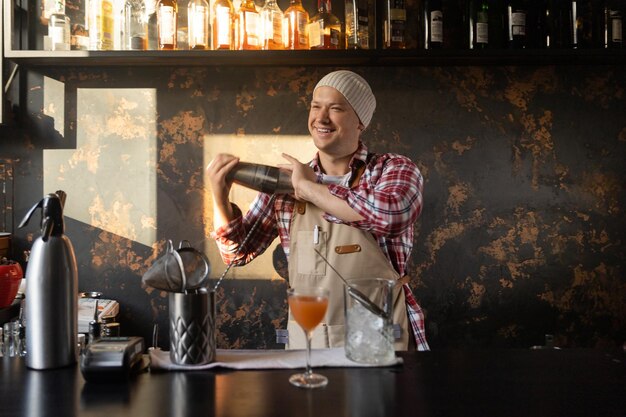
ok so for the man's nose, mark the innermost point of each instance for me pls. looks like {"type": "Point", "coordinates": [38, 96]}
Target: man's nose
{"type": "Point", "coordinates": [323, 115]}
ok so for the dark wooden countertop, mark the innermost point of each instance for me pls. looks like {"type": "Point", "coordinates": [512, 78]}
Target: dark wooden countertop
{"type": "Point", "coordinates": [443, 383]}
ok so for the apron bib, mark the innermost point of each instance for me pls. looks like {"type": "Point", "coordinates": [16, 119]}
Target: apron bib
{"type": "Point", "coordinates": [355, 254]}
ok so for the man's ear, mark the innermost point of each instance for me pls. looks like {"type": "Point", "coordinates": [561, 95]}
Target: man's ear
{"type": "Point", "coordinates": [361, 126]}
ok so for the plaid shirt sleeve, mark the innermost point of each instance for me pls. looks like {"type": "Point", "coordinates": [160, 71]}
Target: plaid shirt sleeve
{"type": "Point", "coordinates": [388, 196]}
{"type": "Point", "coordinates": [230, 236]}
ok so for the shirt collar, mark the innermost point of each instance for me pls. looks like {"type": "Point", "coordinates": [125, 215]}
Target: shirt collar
{"type": "Point", "coordinates": [358, 158]}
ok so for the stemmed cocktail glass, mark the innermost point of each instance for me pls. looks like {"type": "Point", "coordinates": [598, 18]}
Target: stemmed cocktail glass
{"type": "Point", "coordinates": [308, 307]}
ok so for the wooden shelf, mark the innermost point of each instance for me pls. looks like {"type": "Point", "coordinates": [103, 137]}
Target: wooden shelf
{"type": "Point", "coordinates": [320, 58]}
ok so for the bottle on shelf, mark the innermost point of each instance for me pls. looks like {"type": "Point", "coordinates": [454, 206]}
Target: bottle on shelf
{"type": "Point", "coordinates": [613, 24]}
{"type": "Point", "coordinates": [59, 32]}
{"type": "Point", "coordinates": [479, 24]}
{"type": "Point", "coordinates": [433, 24]}
{"type": "Point", "coordinates": [153, 41]}
{"type": "Point", "coordinates": [101, 25]}
{"type": "Point", "coordinates": [359, 24]}
{"type": "Point", "coordinates": [295, 25]}
{"type": "Point", "coordinates": [222, 25]}
{"type": "Point", "coordinates": [498, 32]}
{"type": "Point", "coordinates": [394, 25]}
{"type": "Point", "coordinates": [272, 26]}
{"type": "Point", "coordinates": [167, 24]}
{"type": "Point", "coordinates": [135, 25]}
{"type": "Point", "coordinates": [455, 30]}
{"type": "Point", "coordinates": [540, 24]}
{"type": "Point", "coordinates": [516, 23]}
{"type": "Point", "coordinates": [198, 24]}
{"type": "Point", "coordinates": [247, 26]}
{"type": "Point", "coordinates": [325, 28]}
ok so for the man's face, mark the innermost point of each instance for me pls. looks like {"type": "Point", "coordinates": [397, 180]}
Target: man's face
{"type": "Point", "coordinates": [333, 123]}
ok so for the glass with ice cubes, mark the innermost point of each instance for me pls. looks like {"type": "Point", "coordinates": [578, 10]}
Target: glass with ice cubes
{"type": "Point", "coordinates": [369, 334]}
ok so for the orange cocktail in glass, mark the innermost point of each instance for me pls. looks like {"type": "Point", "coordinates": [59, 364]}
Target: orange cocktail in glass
{"type": "Point", "coordinates": [308, 307]}
{"type": "Point", "coordinates": [308, 310]}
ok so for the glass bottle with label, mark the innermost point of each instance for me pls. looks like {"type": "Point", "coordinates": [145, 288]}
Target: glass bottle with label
{"type": "Point", "coordinates": [359, 16]}
{"type": "Point", "coordinates": [479, 24]}
{"type": "Point", "coordinates": [295, 24]}
{"type": "Point", "coordinates": [516, 21]}
{"type": "Point", "coordinates": [613, 24]}
{"type": "Point", "coordinates": [167, 23]}
{"type": "Point", "coordinates": [222, 25]}
{"type": "Point", "coordinates": [272, 26]}
{"type": "Point", "coordinates": [101, 25]}
{"type": "Point", "coordinates": [433, 20]}
{"type": "Point", "coordinates": [394, 25]}
{"type": "Point", "coordinates": [135, 25]}
{"type": "Point", "coordinates": [59, 32]}
{"type": "Point", "coordinates": [247, 26]}
{"type": "Point", "coordinates": [198, 24]}
{"type": "Point", "coordinates": [325, 28]}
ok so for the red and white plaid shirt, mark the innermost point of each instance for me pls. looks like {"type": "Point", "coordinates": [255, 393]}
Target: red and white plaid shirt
{"type": "Point", "coordinates": [388, 196]}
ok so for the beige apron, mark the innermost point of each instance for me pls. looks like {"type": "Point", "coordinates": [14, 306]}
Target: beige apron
{"type": "Point", "coordinates": [355, 254]}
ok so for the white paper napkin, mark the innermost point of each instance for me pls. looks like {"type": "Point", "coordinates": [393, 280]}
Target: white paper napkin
{"type": "Point", "coordinates": [264, 359]}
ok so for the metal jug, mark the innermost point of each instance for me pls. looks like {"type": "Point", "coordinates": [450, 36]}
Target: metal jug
{"type": "Point", "coordinates": [51, 290]}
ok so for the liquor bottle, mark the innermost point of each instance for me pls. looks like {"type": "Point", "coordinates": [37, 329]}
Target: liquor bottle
{"type": "Point", "coordinates": [433, 20]}
{"type": "Point", "coordinates": [222, 25]}
{"type": "Point", "coordinates": [167, 23]}
{"type": "Point", "coordinates": [153, 41]}
{"type": "Point", "coordinates": [498, 32]}
{"type": "Point", "coordinates": [455, 31]}
{"type": "Point", "coordinates": [198, 24]}
{"type": "Point", "coordinates": [541, 27]}
{"type": "Point", "coordinates": [516, 22]}
{"type": "Point", "coordinates": [101, 25]}
{"type": "Point", "coordinates": [135, 25]}
{"type": "Point", "coordinates": [247, 25]}
{"type": "Point", "coordinates": [571, 23]}
{"type": "Point", "coordinates": [479, 24]}
{"type": "Point", "coordinates": [272, 26]}
{"type": "Point", "coordinates": [613, 25]}
{"type": "Point", "coordinates": [59, 32]}
{"type": "Point", "coordinates": [394, 25]}
{"type": "Point", "coordinates": [325, 28]}
{"type": "Point", "coordinates": [295, 24]}
{"type": "Point", "coordinates": [358, 18]}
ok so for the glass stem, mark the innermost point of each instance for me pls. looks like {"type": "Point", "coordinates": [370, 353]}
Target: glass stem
{"type": "Point", "coordinates": [308, 371]}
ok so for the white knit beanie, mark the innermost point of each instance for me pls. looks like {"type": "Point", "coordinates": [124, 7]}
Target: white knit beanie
{"type": "Point", "coordinates": [355, 89]}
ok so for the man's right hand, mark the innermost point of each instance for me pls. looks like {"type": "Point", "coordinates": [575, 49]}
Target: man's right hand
{"type": "Point", "coordinates": [217, 170]}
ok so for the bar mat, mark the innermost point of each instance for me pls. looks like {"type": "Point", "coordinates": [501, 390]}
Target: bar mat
{"type": "Point", "coordinates": [264, 359]}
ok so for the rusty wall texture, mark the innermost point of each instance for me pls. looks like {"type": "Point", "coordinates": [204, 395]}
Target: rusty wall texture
{"type": "Point", "coordinates": [522, 232]}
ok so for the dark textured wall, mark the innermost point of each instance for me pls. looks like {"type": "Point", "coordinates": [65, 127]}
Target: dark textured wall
{"type": "Point", "coordinates": [522, 231]}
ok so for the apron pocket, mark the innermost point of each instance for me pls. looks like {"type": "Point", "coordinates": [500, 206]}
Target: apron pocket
{"type": "Point", "coordinates": [309, 262]}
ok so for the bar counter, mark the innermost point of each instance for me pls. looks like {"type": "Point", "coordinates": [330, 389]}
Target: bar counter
{"type": "Point", "coordinates": [532, 383]}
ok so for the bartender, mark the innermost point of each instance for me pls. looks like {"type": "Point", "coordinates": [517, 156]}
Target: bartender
{"type": "Point", "coordinates": [356, 207]}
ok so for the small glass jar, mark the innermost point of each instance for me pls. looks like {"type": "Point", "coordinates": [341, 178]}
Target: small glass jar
{"type": "Point", "coordinates": [135, 25]}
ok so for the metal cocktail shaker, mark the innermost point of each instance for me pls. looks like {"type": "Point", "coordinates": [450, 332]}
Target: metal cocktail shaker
{"type": "Point", "coordinates": [51, 290]}
{"type": "Point", "coordinates": [267, 179]}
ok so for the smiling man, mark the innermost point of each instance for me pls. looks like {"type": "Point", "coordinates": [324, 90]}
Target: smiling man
{"type": "Point", "coordinates": [345, 197]}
